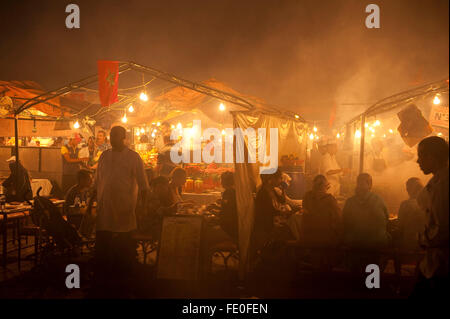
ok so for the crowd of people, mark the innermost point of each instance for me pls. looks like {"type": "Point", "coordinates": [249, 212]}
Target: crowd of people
{"type": "Point", "coordinates": [362, 224]}
{"type": "Point", "coordinates": [129, 198]}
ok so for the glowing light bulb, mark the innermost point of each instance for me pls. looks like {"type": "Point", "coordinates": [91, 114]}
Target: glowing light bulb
{"type": "Point", "coordinates": [391, 131]}
{"type": "Point", "coordinates": [172, 126]}
{"type": "Point", "coordinates": [124, 118]}
{"type": "Point", "coordinates": [439, 134]}
{"type": "Point", "coordinates": [179, 126]}
{"type": "Point", "coordinates": [223, 132]}
{"type": "Point", "coordinates": [384, 135]}
{"type": "Point", "coordinates": [222, 107]}
{"type": "Point", "coordinates": [436, 100]}
{"type": "Point", "coordinates": [366, 125]}
{"type": "Point", "coordinates": [377, 123]}
{"type": "Point", "coordinates": [358, 134]}
{"type": "Point", "coordinates": [317, 137]}
{"type": "Point", "coordinates": [338, 135]}
{"type": "Point", "coordinates": [143, 96]}
{"type": "Point", "coordinates": [158, 123]}
{"type": "Point", "coordinates": [153, 135]}
{"type": "Point", "coordinates": [315, 129]}
{"type": "Point", "coordinates": [76, 125]}
{"type": "Point", "coordinates": [311, 136]}
{"type": "Point", "coordinates": [142, 130]}
{"type": "Point", "coordinates": [297, 116]}
{"type": "Point", "coordinates": [131, 108]}
{"type": "Point", "coordinates": [138, 133]}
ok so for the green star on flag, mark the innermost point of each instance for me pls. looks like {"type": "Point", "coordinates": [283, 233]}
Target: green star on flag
{"type": "Point", "coordinates": [110, 78]}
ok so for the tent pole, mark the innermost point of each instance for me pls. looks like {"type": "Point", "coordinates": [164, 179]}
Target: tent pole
{"type": "Point", "coordinates": [361, 150]}
{"type": "Point", "coordinates": [16, 146]}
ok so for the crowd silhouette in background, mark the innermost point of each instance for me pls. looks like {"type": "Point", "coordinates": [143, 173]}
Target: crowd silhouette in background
{"type": "Point", "coordinates": [129, 198]}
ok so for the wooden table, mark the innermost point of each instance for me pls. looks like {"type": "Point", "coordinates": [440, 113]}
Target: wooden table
{"type": "Point", "coordinates": [202, 198]}
{"type": "Point", "coordinates": [9, 211]}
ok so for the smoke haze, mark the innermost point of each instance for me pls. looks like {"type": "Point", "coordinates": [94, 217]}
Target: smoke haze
{"type": "Point", "coordinates": [303, 55]}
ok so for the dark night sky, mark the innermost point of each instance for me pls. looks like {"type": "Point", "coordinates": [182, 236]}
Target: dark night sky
{"type": "Point", "coordinates": [304, 55]}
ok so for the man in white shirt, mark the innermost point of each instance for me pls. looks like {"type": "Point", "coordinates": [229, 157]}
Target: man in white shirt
{"type": "Point", "coordinates": [120, 178]}
{"type": "Point", "coordinates": [331, 169]}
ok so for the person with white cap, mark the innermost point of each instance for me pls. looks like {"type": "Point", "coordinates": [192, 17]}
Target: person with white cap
{"type": "Point", "coordinates": [330, 168]}
{"type": "Point", "coordinates": [18, 186]}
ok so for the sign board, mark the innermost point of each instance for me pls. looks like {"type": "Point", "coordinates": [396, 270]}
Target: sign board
{"type": "Point", "coordinates": [179, 255]}
{"type": "Point", "coordinates": [439, 116]}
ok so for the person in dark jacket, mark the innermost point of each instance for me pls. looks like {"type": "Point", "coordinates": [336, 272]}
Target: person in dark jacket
{"type": "Point", "coordinates": [18, 186]}
{"type": "Point", "coordinates": [321, 218]}
{"type": "Point", "coordinates": [228, 215]}
{"type": "Point", "coordinates": [268, 205]}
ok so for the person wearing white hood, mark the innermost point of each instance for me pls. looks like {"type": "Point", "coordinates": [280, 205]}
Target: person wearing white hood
{"type": "Point", "coordinates": [330, 168]}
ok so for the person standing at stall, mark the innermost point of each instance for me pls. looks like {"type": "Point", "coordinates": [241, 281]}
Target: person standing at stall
{"type": "Point", "coordinates": [330, 168]}
{"type": "Point", "coordinates": [120, 177]}
{"type": "Point", "coordinates": [102, 141]}
{"type": "Point", "coordinates": [433, 199]}
{"type": "Point", "coordinates": [71, 163]}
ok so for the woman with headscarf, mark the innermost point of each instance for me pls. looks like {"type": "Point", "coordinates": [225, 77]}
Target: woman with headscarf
{"type": "Point", "coordinates": [18, 186]}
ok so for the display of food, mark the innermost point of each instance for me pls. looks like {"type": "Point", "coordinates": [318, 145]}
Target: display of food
{"type": "Point", "coordinates": [149, 157]}
{"type": "Point", "coordinates": [204, 177]}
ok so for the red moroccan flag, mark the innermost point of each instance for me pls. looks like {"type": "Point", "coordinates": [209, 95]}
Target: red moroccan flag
{"type": "Point", "coordinates": [108, 81]}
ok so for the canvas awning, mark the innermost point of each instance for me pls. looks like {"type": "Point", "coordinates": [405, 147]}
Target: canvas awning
{"type": "Point", "coordinates": [292, 138]}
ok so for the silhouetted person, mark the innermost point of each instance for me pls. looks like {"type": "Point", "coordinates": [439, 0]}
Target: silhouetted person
{"type": "Point", "coordinates": [321, 218]}
{"type": "Point", "coordinates": [433, 269]}
{"type": "Point", "coordinates": [158, 205]}
{"type": "Point", "coordinates": [228, 207]}
{"type": "Point", "coordinates": [80, 194]}
{"type": "Point", "coordinates": [18, 186]}
{"type": "Point", "coordinates": [177, 181]}
{"type": "Point", "coordinates": [411, 218]}
{"type": "Point", "coordinates": [365, 217]}
{"type": "Point", "coordinates": [268, 205]}
{"type": "Point", "coordinates": [120, 177]}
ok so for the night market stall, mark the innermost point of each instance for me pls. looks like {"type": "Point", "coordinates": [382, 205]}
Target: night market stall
{"type": "Point", "coordinates": [383, 140]}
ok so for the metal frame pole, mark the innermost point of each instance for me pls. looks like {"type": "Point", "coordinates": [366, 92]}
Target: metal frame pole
{"type": "Point", "coordinates": [362, 142]}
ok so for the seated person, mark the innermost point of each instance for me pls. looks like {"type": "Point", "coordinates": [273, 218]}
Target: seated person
{"type": "Point", "coordinates": [293, 205]}
{"type": "Point", "coordinates": [321, 218]}
{"type": "Point", "coordinates": [227, 208]}
{"type": "Point", "coordinates": [79, 196]}
{"type": "Point", "coordinates": [365, 217]}
{"type": "Point", "coordinates": [18, 186]}
{"type": "Point", "coordinates": [158, 205]}
{"type": "Point", "coordinates": [268, 205]}
{"type": "Point", "coordinates": [411, 218]}
{"type": "Point", "coordinates": [177, 181]}
{"type": "Point", "coordinates": [164, 164]}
